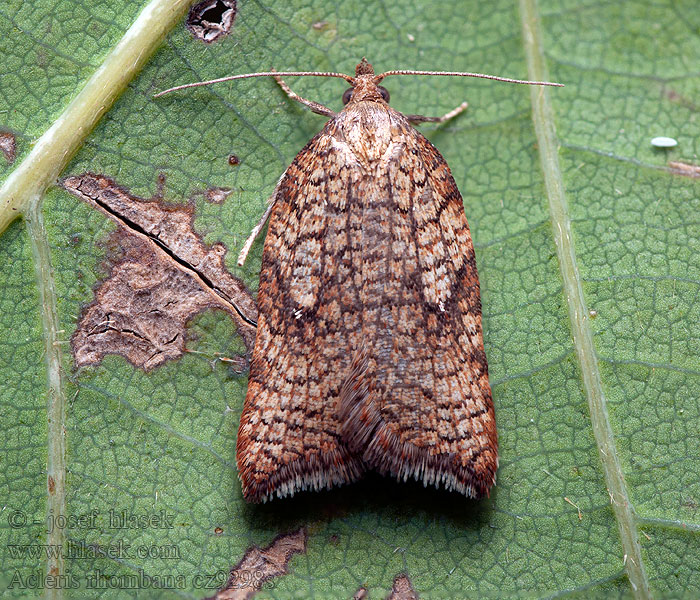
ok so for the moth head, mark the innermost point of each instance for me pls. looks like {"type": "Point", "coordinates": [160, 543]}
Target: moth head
{"type": "Point", "coordinates": [365, 86]}
{"type": "Point", "coordinates": [364, 67]}
{"type": "Point", "coordinates": [350, 94]}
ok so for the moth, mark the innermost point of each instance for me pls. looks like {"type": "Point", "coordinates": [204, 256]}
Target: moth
{"type": "Point", "coordinates": [369, 351]}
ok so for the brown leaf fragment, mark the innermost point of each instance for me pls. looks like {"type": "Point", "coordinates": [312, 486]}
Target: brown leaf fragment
{"type": "Point", "coordinates": [402, 589]}
{"type": "Point", "coordinates": [140, 310]}
{"type": "Point", "coordinates": [260, 565]}
{"type": "Point", "coordinates": [8, 146]}
{"type": "Point", "coordinates": [361, 594]}
{"type": "Point", "coordinates": [685, 169]}
{"type": "Point", "coordinates": [160, 275]}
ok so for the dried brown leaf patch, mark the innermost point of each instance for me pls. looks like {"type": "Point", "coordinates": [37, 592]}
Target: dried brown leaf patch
{"type": "Point", "coordinates": [159, 276]}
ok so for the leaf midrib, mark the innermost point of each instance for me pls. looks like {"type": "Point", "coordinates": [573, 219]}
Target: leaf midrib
{"type": "Point", "coordinates": [22, 194]}
{"type": "Point", "coordinates": [548, 144]}
{"type": "Point", "coordinates": [55, 397]}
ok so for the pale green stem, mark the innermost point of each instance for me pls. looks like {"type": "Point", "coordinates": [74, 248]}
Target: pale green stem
{"type": "Point", "coordinates": [56, 398]}
{"type": "Point", "coordinates": [22, 193]}
{"type": "Point", "coordinates": [543, 118]}
{"type": "Point", "coordinates": [52, 151]}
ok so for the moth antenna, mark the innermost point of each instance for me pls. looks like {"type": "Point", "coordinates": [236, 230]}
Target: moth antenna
{"type": "Point", "coordinates": [247, 75]}
{"type": "Point", "coordinates": [378, 78]}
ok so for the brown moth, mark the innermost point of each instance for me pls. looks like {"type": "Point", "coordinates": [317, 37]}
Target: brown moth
{"type": "Point", "coordinates": [369, 352]}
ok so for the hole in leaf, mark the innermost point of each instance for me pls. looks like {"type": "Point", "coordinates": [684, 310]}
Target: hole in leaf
{"type": "Point", "coordinates": [211, 19]}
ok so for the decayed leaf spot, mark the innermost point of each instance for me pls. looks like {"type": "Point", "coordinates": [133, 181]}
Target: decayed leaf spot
{"type": "Point", "coordinates": [51, 485]}
{"type": "Point", "coordinates": [233, 160]}
{"type": "Point", "coordinates": [211, 19]}
{"type": "Point", "coordinates": [260, 565]}
{"type": "Point", "coordinates": [402, 589]}
{"type": "Point", "coordinates": [685, 169]}
{"type": "Point", "coordinates": [8, 146]}
{"type": "Point", "coordinates": [160, 275]}
{"type": "Point", "coordinates": [217, 195]}
{"type": "Point", "coordinates": [674, 96]}
{"type": "Point", "coordinates": [360, 594]}
{"type": "Point", "coordinates": [160, 182]}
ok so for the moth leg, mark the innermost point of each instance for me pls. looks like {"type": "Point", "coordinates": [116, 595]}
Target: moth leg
{"type": "Point", "coordinates": [257, 229]}
{"type": "Point", "coordinates": [319, 109]}
{"type": "Point", "coordinates": [446, 117]}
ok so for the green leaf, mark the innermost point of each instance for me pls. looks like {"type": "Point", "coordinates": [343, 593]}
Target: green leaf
{"type": "Point", "coordinates": [587, 243]}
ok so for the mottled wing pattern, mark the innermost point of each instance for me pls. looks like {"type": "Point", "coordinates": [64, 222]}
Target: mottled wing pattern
{"type": "Point", "coordinates": [369, 349]}
{"type": "Point", "coordinates": [309, 311]}
{"type": "Point", "coordinates": [418, 403]}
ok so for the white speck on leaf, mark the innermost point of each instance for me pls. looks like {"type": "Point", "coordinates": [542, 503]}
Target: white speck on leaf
{"type": "Point", "coordinates": [663, 142]}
